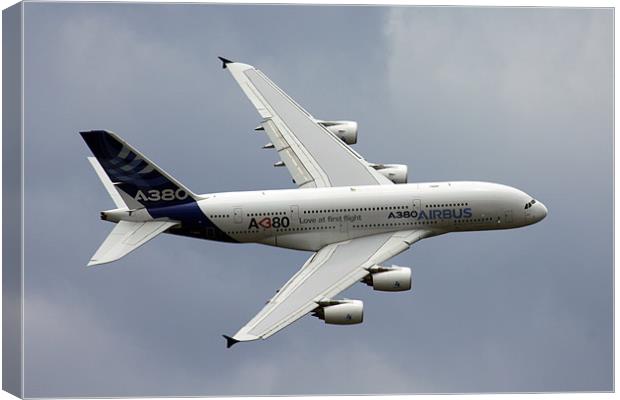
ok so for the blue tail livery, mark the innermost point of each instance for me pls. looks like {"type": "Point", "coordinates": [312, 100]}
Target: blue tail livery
{"type": "Point", "coordinates": [133, 174]}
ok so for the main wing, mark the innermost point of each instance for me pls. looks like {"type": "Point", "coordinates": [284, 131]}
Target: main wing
{"type": "Point", "coordinates": [328, 272]}
{"type": "Point", "coordinates": [314, 156]}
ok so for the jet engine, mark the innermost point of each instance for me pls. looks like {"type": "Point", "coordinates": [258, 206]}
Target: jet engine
{"type": "Point", "coordinates": [340, 312]}
{"type": "Point", "coordinates": [345, 130]}
{"type": "Point", "coordinates": [397, 173]}
{"type": "Point", "coordinates": [389, 279]}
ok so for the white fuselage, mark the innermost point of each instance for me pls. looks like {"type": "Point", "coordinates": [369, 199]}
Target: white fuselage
{"type": "Point", "coordinates": [308, 219]}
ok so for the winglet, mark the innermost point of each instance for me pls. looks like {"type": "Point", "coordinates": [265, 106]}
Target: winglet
{"type": "Point", "coordinates": [225, 61]}
{"type": "Point", "coordinates": [230, 341]}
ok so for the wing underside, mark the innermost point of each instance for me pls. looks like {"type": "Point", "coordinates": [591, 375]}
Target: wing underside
{"type": "Point", "coordinates": [328, 272]}
{"type": "Point", "coordinates": [314, 156]}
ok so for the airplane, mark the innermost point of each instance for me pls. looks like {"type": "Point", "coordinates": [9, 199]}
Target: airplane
{"type": "Point", "coordinates": [352, 214]}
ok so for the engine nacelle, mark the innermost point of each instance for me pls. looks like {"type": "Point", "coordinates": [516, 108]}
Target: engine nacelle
{"type": "Point", "coordinates": [389, 279]}
{"type": "Point", "coordinates": [397, 173]}
{"type": "Point", "coordinates": [345, 130]}
{"type": "Point", "coordinates": [341, 312]}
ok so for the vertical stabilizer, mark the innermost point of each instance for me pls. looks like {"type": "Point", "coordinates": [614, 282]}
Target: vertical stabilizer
{"type": "Point", "coordinates": [135, 177]}
{"type": "Point", "coordinates": [109, 186]}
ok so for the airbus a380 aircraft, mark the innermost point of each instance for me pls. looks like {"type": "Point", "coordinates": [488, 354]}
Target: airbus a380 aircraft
{"type": "Point", "coordinates": [352, 214]}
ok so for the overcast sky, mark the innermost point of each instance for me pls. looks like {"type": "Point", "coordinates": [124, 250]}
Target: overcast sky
{"type": "Point", "coordinates": [516, 96]}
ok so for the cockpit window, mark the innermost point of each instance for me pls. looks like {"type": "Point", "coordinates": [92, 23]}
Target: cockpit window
{"type": "Point", "coordinates": [530, 203]}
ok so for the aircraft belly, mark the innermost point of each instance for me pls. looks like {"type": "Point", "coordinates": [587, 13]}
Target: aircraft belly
{"type": "Point", "coordinates": [269, 240]}
{"type": "Point", "coordinates": [309, 241]}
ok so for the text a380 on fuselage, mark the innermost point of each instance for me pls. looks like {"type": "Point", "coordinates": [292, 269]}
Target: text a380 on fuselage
{"type": "Point", "coordinates": [351, 213]}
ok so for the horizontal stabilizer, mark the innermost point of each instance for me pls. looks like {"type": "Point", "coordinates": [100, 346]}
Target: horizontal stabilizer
{"type": "Point", "coordinates": [126, 237]}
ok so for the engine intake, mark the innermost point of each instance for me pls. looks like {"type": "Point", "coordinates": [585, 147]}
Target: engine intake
{"type": "Point", "coordinates": [345, 130]}
{"type": "Point", "coordinates": [397, 173]}
{"type": "Point", "coordinates": [341, 312]}
{"type": "Point", "coordinates": [389, 279]}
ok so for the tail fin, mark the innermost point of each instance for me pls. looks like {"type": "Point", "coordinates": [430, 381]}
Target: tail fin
{"type": "Point", "coordinates": [135, 177]}
{"type": "Point", "coordinates": [109, 186]}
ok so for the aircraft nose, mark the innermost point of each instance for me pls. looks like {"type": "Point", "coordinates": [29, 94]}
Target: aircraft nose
{"type": "Point", "coordinates": [542, 211]}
